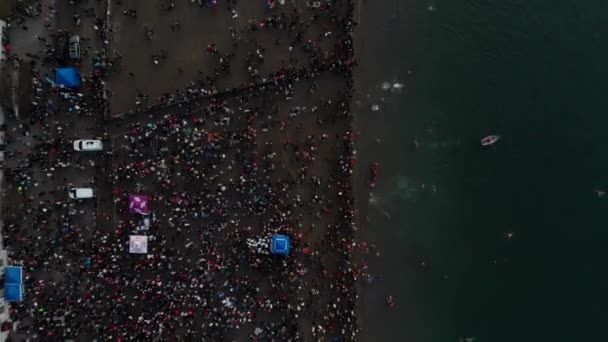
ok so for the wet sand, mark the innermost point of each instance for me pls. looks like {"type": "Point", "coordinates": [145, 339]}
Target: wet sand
{"type": "Point", "coordinates": [388, 47]}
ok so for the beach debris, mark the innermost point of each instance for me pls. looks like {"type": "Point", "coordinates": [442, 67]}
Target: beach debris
{"type": "Point", "coordinates": [390, 302]}
{"type": "Point", "coordinates": [375, 107]}
{"type": "Point", "coordinates": [599, 193]}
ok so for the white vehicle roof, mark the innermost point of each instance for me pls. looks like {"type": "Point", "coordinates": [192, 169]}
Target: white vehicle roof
{"type": "Point", "coordinates": [74, 47]}
{"type": "Point", "coordinates": [88, 145]}
{"type": "Point", "coordinates": [81, 193]}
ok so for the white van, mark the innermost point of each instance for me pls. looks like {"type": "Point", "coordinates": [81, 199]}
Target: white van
{"type": "Point", "coordinates": [78, 193]}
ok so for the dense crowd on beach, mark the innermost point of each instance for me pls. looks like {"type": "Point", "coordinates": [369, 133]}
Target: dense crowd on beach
{"type": "Point", "coordinates": [225, 169]}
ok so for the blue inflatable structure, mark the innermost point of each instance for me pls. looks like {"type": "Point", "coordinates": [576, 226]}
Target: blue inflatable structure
{"type": "Point", "coordinates": [13, 283]}
{"type": "Point", "coordinates": [67, 77]}
{"type": "Point", "coordinates": [279, 244]}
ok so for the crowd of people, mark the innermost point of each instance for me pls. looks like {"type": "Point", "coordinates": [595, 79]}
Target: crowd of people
{"type": "Point", "coordinates": [224, 171]}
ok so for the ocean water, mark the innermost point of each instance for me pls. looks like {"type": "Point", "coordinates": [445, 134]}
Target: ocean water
{"type": "Point", "coordinates": [500, 244]}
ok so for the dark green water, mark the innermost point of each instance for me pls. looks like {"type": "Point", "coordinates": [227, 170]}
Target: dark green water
{"type": "Point", "coordinates": [534, 72]}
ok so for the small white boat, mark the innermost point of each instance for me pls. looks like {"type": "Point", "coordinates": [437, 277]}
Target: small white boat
{"type": "Point", "coordinates": [490, 140]}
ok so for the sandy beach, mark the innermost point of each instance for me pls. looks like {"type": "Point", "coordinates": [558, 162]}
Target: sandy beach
{"type": "Point", "coordinates": [234, 121]}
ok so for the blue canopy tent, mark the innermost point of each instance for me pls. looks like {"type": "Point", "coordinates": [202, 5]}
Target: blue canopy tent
{"type": "Point", "coordinates": [279, 245]}
{"type": "Point", "coordinates": [67, 77]}
{"type": "Point", "coordinates": [13, 292]}
{"type": "Point", "coordinates": [13, 283]}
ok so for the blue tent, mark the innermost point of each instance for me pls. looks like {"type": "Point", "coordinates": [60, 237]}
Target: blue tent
{"type": "Point", "coordinates": [13, 283]}
{"type": "Point", "coordinates": [13, 292]}
{"type": "Point", "coordinates": [279, 244]}
{"type": "Point", "coordinates": [67, 77]}
{"type": "Point", "coordinates": [13, 274]}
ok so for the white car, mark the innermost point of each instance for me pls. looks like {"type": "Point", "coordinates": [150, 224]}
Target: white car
{"type": "Point", "coordinates": [88, 145]}
{"type": "Point", "coordinates": [74, 47]}
{"type": "Point", "coordinates": [79, 193]}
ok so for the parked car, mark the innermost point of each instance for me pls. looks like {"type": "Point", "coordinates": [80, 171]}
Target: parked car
{"type": "Point", "coordinates": [80, 193]}
{"type": "Point", "coordinates": [88, 145]}
{"type": "Point", "coordinates": [74, 47]}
